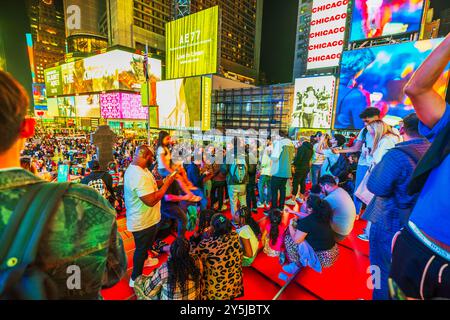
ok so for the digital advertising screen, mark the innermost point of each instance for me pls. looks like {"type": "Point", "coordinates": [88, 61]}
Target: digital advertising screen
{"type": "Point", "coordinates": [192, 44]}
{"type": "Point", "coordinates": [326, 37]}
{"type": "Point", "coordinates": [179, 103]}
{"type": "Point", "coordinates": [378, 18]}
{"type": "Point", "coordinates": [112, 70]}
{"type": "Point", "coordinates": [88, 106]}
{"type": "Point", "coordinates": [66, 107]}
{"type": "Point", "coordinates": [376, 77]}
{"type": "Point", "coordinates": [313, 102]}
{"type": "Point", "coordinates": [121, 105]}
{"type": "Point", "coordinates": [39, 96]}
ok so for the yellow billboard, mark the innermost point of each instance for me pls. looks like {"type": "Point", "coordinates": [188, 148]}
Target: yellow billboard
{"type": "Point", "coordinates": [192, 44]}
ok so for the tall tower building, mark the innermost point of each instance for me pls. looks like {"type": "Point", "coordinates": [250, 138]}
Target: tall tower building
{"type": "Point", "coordinates": [302, 37]}
{"type": "Point", "coordinates": [47, 30]}
{"type": "Point", "coordinates": [241, 26]}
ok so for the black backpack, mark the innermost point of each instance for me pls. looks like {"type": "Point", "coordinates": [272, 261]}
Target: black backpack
{"type": "Point", "coordinates": [340, 167]}
{"type": "Point", "coordinates": [20, 277]}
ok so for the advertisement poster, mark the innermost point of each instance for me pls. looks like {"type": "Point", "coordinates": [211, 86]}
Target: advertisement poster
{"type": "Point", "coordinates": [313, 102]}
{"type": "Point", "coordinates": [88, 106]}
{"type": "Point", "coordinates": [378, 18]}
{"type": "Point", "coordinates": [376, 77]}
{"type": "Point", "coordinates": [326, 37]}
{"type": "Point", "coordinates": [66, 107]}
{"type": "Point", "coordinates": [120, 105]}
{"type": "Point", "coordinates": [113, 70]}
{"type": "Point", "coordinates": [179, 103]}
{"type": "Point", "coordinates": [192, 44]}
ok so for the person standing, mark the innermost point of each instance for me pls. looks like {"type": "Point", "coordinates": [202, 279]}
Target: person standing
{"type": "Point", "coordinates": [282, 156]}
{"type": "Point", "coordinates": [388, 211]}
{"type": "Point", "coordinates": [317, 160]}
{"type": "Point", "coordinates": [424, 244]}
{"type": "Point", "coordinates": [363, 144]}
{"type": "Point", "coordinates": [302, 165]}
{"type": "Point", "coordinates": [143, 204]}
{"type": "Point", "coordinates": [265, 176]}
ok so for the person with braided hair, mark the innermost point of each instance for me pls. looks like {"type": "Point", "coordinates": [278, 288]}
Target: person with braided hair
{"type": "Point", "coordinates": [177, 279]}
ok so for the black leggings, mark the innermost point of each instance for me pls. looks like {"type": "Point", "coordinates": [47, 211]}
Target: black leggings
{"type": "Point", "coordinates": [217, 193]}
{"type": "Point", "coordinates": [143, 241]}
{"type": "Point", "coordinates": [299, 179]}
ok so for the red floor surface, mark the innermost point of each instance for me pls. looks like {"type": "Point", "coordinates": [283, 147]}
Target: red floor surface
{"type": "Point", "coordinates": [346, 280]}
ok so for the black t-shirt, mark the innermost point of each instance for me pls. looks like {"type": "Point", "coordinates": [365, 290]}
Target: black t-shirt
{"type": "Point", "coordinates": [320, 235]}
{"type": "Point", "coordinates": [174, 189]}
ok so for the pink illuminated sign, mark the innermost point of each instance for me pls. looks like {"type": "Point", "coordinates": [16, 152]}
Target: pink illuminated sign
{"type": "Point", "coordinates": [120, 105]}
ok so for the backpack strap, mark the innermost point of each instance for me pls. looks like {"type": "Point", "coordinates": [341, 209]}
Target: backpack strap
{"type": "Point", "coordinates": [20, 239]}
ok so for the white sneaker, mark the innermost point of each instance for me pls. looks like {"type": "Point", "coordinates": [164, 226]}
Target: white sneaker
{"type": "Point", "coordinates": [260, 205]}
{"type": "Point", "coordinates": [131, 283]}
{"type": "Point", "coordinates": [363, 237]}
{"type": "Point", "coordinates": [291, 202]}
{"type": "Point", "coordinates": [151, 262]}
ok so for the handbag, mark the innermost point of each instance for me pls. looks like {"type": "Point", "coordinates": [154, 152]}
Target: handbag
{"type": "Point", "coordinates": [362, 193]}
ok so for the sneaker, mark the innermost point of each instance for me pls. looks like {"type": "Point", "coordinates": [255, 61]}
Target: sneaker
{"type": "Point", "coordinates": [363, 237]}
{"type": "Point", "coordinates": [159, 245]}
{"type": "Point", "coordinates": [131, 283]}
{"type": "Point", "coordinates": [151, 262]}
{"type": "Point", "coordinates": [291, 268]}
{"type": "Point", "coordinates": [224, 208]}
{"type": "Point", "coordinates": [291, 202]}
{"type": "Point", "coordinates": [260, 205]}
{"type": "Point", "coordinates": [254, 211]}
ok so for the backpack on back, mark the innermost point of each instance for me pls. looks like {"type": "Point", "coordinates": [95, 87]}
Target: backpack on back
{"type": "Point", "coordinates": [20, 276]}
{"type": "Point", "coordinates": [238, 171]}
{"type": "Point", "coordinates": [340, 167]}
{"type": "Point", "coordinates": [100, 186]}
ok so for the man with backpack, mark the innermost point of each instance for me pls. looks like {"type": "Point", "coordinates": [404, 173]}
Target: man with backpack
{"type": "Point", "coordinates": [58, 241]}
{"type": "Point", "coordinates": [363, 144]}
{"type": "Point", "coordinates": [390, 209]}
{"type": "Point", "coordinates": [101, 181]}
{"type": "Point", "coordinates": [237, 177]}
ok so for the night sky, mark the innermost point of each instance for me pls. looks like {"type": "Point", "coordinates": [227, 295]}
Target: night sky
{"type": "Point", "coordinates": [278, 40]}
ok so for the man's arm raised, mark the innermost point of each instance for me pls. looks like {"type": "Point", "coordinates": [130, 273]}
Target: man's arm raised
{"type": "Point", "coordinates": [429, 105]}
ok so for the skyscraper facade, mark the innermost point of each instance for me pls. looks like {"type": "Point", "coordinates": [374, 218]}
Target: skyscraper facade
{"type": "Point", "coordinates": [302, 38]}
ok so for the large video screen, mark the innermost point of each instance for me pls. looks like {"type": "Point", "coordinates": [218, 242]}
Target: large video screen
{"type": "Point", "coordinates": [179, 103]}
{"type": "Point", "coordinates": [378, 18]}
{"type": "Point", "coordinates": [121, 105]}
{"type": "Point", "coordinates": [113, 70]}
{"type": "Point", "coordinates": [192, 44]}
{"type": "Point", "coordinates": [66, 107]}
{"type": "Point", "coordinates": [88, 106]}
{"type": "Point", "coordinates": [326, 36]}
{"type": "Point", "coordinates": [376, 77]}
{"type": "Point", "coordinates": [313, 102]}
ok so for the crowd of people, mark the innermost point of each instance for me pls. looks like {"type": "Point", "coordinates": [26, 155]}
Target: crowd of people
{"type": "Point", "coordinates": [311, 191]}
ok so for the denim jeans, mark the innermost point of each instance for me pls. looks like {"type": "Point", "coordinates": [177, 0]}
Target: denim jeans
{"type": "Point", "coordinates": [237, 192]}
{"type": "Point", "coordinates": [315, 173]}
{"type": "Point", "coordinates": [380, 255]}
{"type": "Point", "coordinates": [360, 173]}
{"type": "Point", "coordinates": [175, 211]}
{"type": "Point", "coordinates": [278, 188]}
{"type": "Point", "coordinates": [264, 183]}
{"type": "Point", "coordinates": [143, 241]}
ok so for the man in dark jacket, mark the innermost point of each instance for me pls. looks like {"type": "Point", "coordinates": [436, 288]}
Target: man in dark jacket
{"type": "Point", "coordinates": [389, 211]}
{"type": "Point", "coordinates": [302, 165]}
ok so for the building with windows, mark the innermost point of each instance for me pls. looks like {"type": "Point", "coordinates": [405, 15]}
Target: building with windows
{"type": "Point", "coordinates": [302, 38]}
{"type": "Point", "coordinates": [48, 35]}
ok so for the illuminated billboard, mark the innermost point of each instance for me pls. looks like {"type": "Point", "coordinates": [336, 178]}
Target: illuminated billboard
{"type": "Point", "coordinates": [88, 106]}
{"type": "Point", "coordinates": [378, 18]}
{"type": "Point", "coordinates": [376, 77]}
{"type": "Point", "coordinates": [109, 71]}
{"type": "Point", "coordinates": [326, 37]}
{"type": "Point", "coordinates": [66, 107]}
{"type": "Point", "coordinates": [313, 102]}
{"type": "Point", "coordinates": [179, 103]}
{"type": "Point", "coordinates": [192, 44]}
{"type": "Point", "coordinates": [121, 105]}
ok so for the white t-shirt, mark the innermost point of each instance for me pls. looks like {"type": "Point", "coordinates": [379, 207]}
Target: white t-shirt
{"type": "Point", "coordinates": [246, 232]}
{"type": "Point", "coordinates": [162, 154]}
{"type": "Point", "coordinates": [344, 211]}
{"type": "Point", "coordinates": [366, 148]}
{"type": "Point", "coordinates": [140, 182]}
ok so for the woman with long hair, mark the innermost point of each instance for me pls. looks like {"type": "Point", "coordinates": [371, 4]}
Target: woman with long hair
{"type": "Point", "coordinates": [273, 234]}
{"type": "Point", "coordinates": [248, 231]}
{"type": "Point", "coordinates": [177, 279]}
{"type": "Point", "coordinates": [312, 232]}
{"type": "Point", "coordinates": [166, 166]}
{"type": "Point", "coordinates": [222, 256]}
